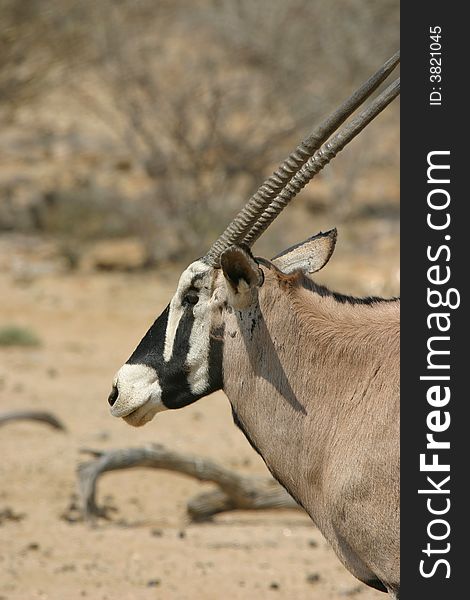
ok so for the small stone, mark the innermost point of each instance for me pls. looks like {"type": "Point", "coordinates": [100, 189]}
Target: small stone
{"type": "Point", "coordinates": [153, 582]}
{"type": "Point", "coordinates": [68, 568]}
{"type": "Point", "coordinates": [156, 533]}
{"type": "Point", "coordinates": [182, 534]}
{"type": "Point", "coordinates": [313, 578]}
{"type": "Point", "coordinates": [32, 546]}
{"type": "Point", "coordinates": [352, 591]}
{"type": "Point", "coordinates": [8, 514]}
{"type": "Point", "coordinates": [274, 585]}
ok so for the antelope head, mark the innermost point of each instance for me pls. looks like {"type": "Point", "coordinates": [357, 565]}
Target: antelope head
{"type": "Point", "coordinates": [179, 360]}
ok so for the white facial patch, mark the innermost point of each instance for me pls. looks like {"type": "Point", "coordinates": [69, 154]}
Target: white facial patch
{"type": "Point", "coordinates": [138, 387]}
{"type": "Point", "coordinates": [198, 355]}
{"type": "Point", "coordinates": [176, 305]}
{"type": "Point", "coordinates": [174, 317]}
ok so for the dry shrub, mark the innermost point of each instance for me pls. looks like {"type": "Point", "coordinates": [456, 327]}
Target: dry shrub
{"type": "Point", "coordinates": [201, 98]}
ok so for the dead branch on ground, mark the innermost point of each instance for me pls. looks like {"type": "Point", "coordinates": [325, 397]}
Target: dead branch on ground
{"type": "Point", "coordinates": [32, 415]}
{"type": "Point", "coordinates": [235, 491]}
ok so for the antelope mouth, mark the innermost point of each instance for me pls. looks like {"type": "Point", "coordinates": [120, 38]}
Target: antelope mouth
{"type": "Point", "coordinates": [124, 410]}
{"type": "Point", "coordinates": [142, 415]}
{"type": "Point", "coordinates": [136, 395]}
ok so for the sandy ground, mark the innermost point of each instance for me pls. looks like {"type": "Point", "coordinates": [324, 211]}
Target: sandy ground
{"type": "Point", "coordinates": [148, 550]}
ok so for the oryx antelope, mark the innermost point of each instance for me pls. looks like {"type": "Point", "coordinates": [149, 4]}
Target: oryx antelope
{"type": "Point", "coordinates": [312, 375]}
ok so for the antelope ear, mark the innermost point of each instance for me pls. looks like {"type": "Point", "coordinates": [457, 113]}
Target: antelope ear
{"type": "Point", "coordinates": [308, 256]}
{"type": "Point", "coordinates": [242, 275]}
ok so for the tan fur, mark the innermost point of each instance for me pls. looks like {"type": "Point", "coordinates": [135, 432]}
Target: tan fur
{"type": "Point", "coordinates": [315, 384]}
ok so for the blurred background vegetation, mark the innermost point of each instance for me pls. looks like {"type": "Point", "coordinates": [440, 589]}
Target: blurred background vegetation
{"type": "Point", "coordinates": [131, 131]}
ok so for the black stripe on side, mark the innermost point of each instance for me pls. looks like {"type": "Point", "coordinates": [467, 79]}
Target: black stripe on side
{"type": "Point", "coordinates": [321, 290]}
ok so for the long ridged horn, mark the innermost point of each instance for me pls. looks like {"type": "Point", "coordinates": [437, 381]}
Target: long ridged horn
{"type": "Point", "coordinates": [269, 192]}
{"type": "Point", "coordinates": [320, 159]}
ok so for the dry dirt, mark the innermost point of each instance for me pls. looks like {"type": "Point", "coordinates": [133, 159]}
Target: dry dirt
{"type": "Point", "coordinates": [89, 323]}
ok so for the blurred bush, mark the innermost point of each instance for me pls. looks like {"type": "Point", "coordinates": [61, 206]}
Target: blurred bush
{"type": "Point", "coordinates": [157, 119]}
{"type": "Point", "coordinates": [13, 335]}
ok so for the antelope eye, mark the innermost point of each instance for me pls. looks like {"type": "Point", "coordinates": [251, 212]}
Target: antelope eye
{"type": "Point", "coordinates": [191, 298]}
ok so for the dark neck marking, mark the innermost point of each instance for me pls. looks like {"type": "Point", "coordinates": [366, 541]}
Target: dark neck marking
{"type": "Point", "coordinates": [323, 291]}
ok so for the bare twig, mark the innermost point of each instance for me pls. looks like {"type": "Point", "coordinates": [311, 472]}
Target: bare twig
{"type": "Point", "coordinates": [235, 491]}
{"type": "Point", "coordinates": [34, 415]}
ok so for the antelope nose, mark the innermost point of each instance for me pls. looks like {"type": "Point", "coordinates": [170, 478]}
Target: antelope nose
{"type": "Point", "coordinates": [113, 396]}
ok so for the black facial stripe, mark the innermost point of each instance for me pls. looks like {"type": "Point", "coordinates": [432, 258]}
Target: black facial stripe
{"type": "Point", "coordinates": [182, 336]}
{"type": "Point", "coordinates": [216, 355]}
{"type": "Point", "coordinates": [176, 392]}
{"type": "Point", "coordinates": [172, 375]}
{"type": "Point", "coordinates": [197, 277]}
{"type": "Point", "coordinates": [150, 349]}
